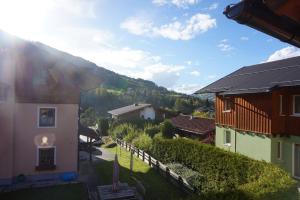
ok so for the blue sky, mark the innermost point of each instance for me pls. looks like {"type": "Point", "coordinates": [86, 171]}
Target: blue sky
{"type": "Point", "coordinates": [180, 44]}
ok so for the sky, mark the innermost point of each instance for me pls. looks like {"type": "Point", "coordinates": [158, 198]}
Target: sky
{"type": "Point", "coordinates": [182, 45]}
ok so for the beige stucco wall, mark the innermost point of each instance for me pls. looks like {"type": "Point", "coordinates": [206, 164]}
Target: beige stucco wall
{"type": "Point", "coordinates": [6, 141]}
{"type": "Point", "coordinates": [18, 145]}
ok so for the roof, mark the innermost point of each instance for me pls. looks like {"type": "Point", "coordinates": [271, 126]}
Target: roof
{"type": "Point", "coordinates": [258, 78]}
{"type": "Point", "coordinates": [127, 109]}
{"type": "Point", "coordinates": [278, 18]}
{"type": "Point", "coordinates": [88, 132]}
{"type": "Point", "coordinates": [192, 124]}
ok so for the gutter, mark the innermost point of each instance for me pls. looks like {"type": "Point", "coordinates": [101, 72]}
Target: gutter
{"type": "Point", "coordinates": [257, 15]}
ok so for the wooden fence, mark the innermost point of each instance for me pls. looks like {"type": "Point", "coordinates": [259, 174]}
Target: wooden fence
{"type": "Point", "coordinates": [164, 170]}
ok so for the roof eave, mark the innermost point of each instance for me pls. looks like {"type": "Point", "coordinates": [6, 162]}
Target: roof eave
{"type": "Point", "coordinates": [257, 15]}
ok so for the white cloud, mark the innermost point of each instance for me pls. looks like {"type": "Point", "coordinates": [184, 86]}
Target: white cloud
{"type": "Point", "coordinates": [198, 23]}
{"type": "Point", "coordinates": [195, 73]}
{"type": "Point", "coordinates": [224, 45]}
{"type": "Point", "coordinates": [283, 53]}
{"type": "Point", "coordinates": [244, 38]}
{"type": "Point", "coordinates": [189, 62]}
{"type": "Point", "coordinates": [177, 3]}
{"type": "Point", "coordinates": [187, 88]}
{"type": "Point", "coordinates": [213, 6]}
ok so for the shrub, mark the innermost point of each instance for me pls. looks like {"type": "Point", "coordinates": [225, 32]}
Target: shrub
{"type": "Point", "coordinates": [143, 142]}
{"type": "Point", "coordinates": [167, 129]}
{"type": "Point", "coordinates": [103, 126]}
{"type": "Point", "coordinates": [120, 131]}
{"type": "Point", "coordinates": [132, 135]}
{"type": "Point", "coordinates": [194, 178]}
{"type": "Point", "coordinates": [227, 175]}
{"type": "Point", "coordinates": [151, 130]}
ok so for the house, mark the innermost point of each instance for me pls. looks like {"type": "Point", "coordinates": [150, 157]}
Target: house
{"type": "Point", "coordinates": [133, 112]}
{"type": "Point", "coordinates": [39, 104]}
{"type": "Point", "coordinates": [258, 112]}
{"type": "Point", "coordinates": [194, 127]}
{"type": "Point", "coordinates": [277, 18]}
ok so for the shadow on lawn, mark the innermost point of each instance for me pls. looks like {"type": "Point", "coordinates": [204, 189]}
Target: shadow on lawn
{"type": "Point", "coordinates": [157, 187]}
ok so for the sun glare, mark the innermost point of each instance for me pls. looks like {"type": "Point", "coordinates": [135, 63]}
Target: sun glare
{"type": "Point", "coordinates": [23, 18]}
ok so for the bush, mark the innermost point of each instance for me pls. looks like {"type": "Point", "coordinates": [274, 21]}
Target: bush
{"type": "Point", "coordinates": [151, 130]}
{"type": "Point", "coordinates": [227, 175]}
{"type": "Point", "coordinates": [120, 131]}
{"type": "Point", "coordinates": [103, 126]}
{"type": "Point", "coordinates": [194, 178]}
{"type": "Point", "coordinates": [143, 142]}
{"type": "Point", "coordinates": [132, 135]}
{"type": "Point", "coordinates": [167, 129]}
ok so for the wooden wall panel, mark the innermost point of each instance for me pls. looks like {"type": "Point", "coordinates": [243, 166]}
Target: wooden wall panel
{"type": "Point", "coordinates": [286, 124]}
{"type": "Point", "coordinates": [249, 113]}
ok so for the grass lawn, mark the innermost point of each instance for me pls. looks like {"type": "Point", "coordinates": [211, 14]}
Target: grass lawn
{"type": "Point", "coordinates": [60, 192]}
{"type": "Point", "coordinates": [157, 188]}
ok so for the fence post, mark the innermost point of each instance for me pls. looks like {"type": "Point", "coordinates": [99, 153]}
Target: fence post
{"type": "Point", "coordinates": [150, 160]}
{"type": "Point", "coordinates": [180, 181]}
{"type": "Point", "coordinates": [167, 172]}
{"type": "Point", "coordinates": [143, 155]}
{"type": "Point", "coordinates": [126, 146]}
{"type": "Point", "coordinates": [157, 165]}
{"type": "Point", "coordinates": [138, 152]}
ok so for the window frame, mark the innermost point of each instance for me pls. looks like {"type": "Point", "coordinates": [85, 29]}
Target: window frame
{"type": "Point", "coordinates": [227, 101]}
{"type": "Point", "coordinates": [225, 142]}
{"type": "Point", "coordinates": [281, 105]}
{"type": "Point", "coordinates": [294, 113]}
{"type": "Point", "coordinates": [37, 166]}
{"type": "Point", "coordinates": [279, 144]}
{"type": "Point", "coordinates": [38, 116]}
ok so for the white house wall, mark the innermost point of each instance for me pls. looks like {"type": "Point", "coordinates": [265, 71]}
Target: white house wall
{"type": "Point", "coordinates": [148, 113]}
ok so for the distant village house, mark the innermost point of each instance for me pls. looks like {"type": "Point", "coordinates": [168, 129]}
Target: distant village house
{"type": "Point", "coordinates": [194, 127]}
{"type": "Point", "coordinates": [133, 112]}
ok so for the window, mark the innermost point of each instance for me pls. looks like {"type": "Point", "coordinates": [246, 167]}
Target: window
{"type": "Point", "coordinates": [227, 137]}
{"type": "Point", "coordinates": [279, 150]}
{"type": "Point", "coordinates": [296, 104]}
{"type": "Point", "coordinates": [47, 117]}
{"type": "Point", "coordinates": [46, 158]}
{"type": "Point", "coordinates": [227, 105]}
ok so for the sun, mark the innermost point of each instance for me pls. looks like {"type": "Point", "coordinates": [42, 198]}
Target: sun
{"type": "Point", "coordinates": [23, 18]}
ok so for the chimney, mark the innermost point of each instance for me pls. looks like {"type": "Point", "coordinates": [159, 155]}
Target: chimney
{"type": "Point", "coordinates": [191, 117]}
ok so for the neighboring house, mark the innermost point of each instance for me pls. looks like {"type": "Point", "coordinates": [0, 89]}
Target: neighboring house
{"type": "Point", "coordinates": [258, 112]}
{"type": "Point", "coordinates": [133, 112]}
{"type": "Point", "coordinates": [194, 127]}
{"type": "Point", "coordinates": [39, 104]}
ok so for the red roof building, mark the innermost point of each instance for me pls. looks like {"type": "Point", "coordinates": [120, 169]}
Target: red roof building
{"type": "Point", "coordinates": [195, 127]}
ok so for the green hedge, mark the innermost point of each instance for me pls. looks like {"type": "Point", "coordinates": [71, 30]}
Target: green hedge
{"type": "Point", "coordinates": [227, 175]}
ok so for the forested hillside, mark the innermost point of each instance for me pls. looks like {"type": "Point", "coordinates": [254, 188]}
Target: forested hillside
{"type": "Point", "coordinates": [114, 90]}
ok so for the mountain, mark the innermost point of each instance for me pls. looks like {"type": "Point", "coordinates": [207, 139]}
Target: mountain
{"type": "Point", "coordinates": [114, 91]}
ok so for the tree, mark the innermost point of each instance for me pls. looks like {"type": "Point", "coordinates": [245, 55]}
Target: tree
{"type": "Point", "coordinates": [167, 129]}
{"type": "Point", "coordinates": [88, 117]}
{"type": "Point", "coordinates": [103, 126]}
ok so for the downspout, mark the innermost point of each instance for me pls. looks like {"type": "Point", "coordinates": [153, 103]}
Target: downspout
{"type": "Point", "coordinates": [78, 135]}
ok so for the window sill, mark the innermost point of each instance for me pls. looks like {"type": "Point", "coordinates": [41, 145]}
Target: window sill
{"type": "Point", "coordinates": [295, 115]}
{"type": "Point", "coordinates": [226, 111]}
{"type": "Point", "coordinates": [46, 126]}
{"type": "Point", "coordinates": [45, 168]}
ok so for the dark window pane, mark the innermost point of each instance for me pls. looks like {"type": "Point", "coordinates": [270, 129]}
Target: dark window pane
{"type": "Point", "coordinates": [47, 117]}
{"type": "Point", "coordinates": [297, 104]}
{"type": "Point", "coordinates": [46, 157]}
